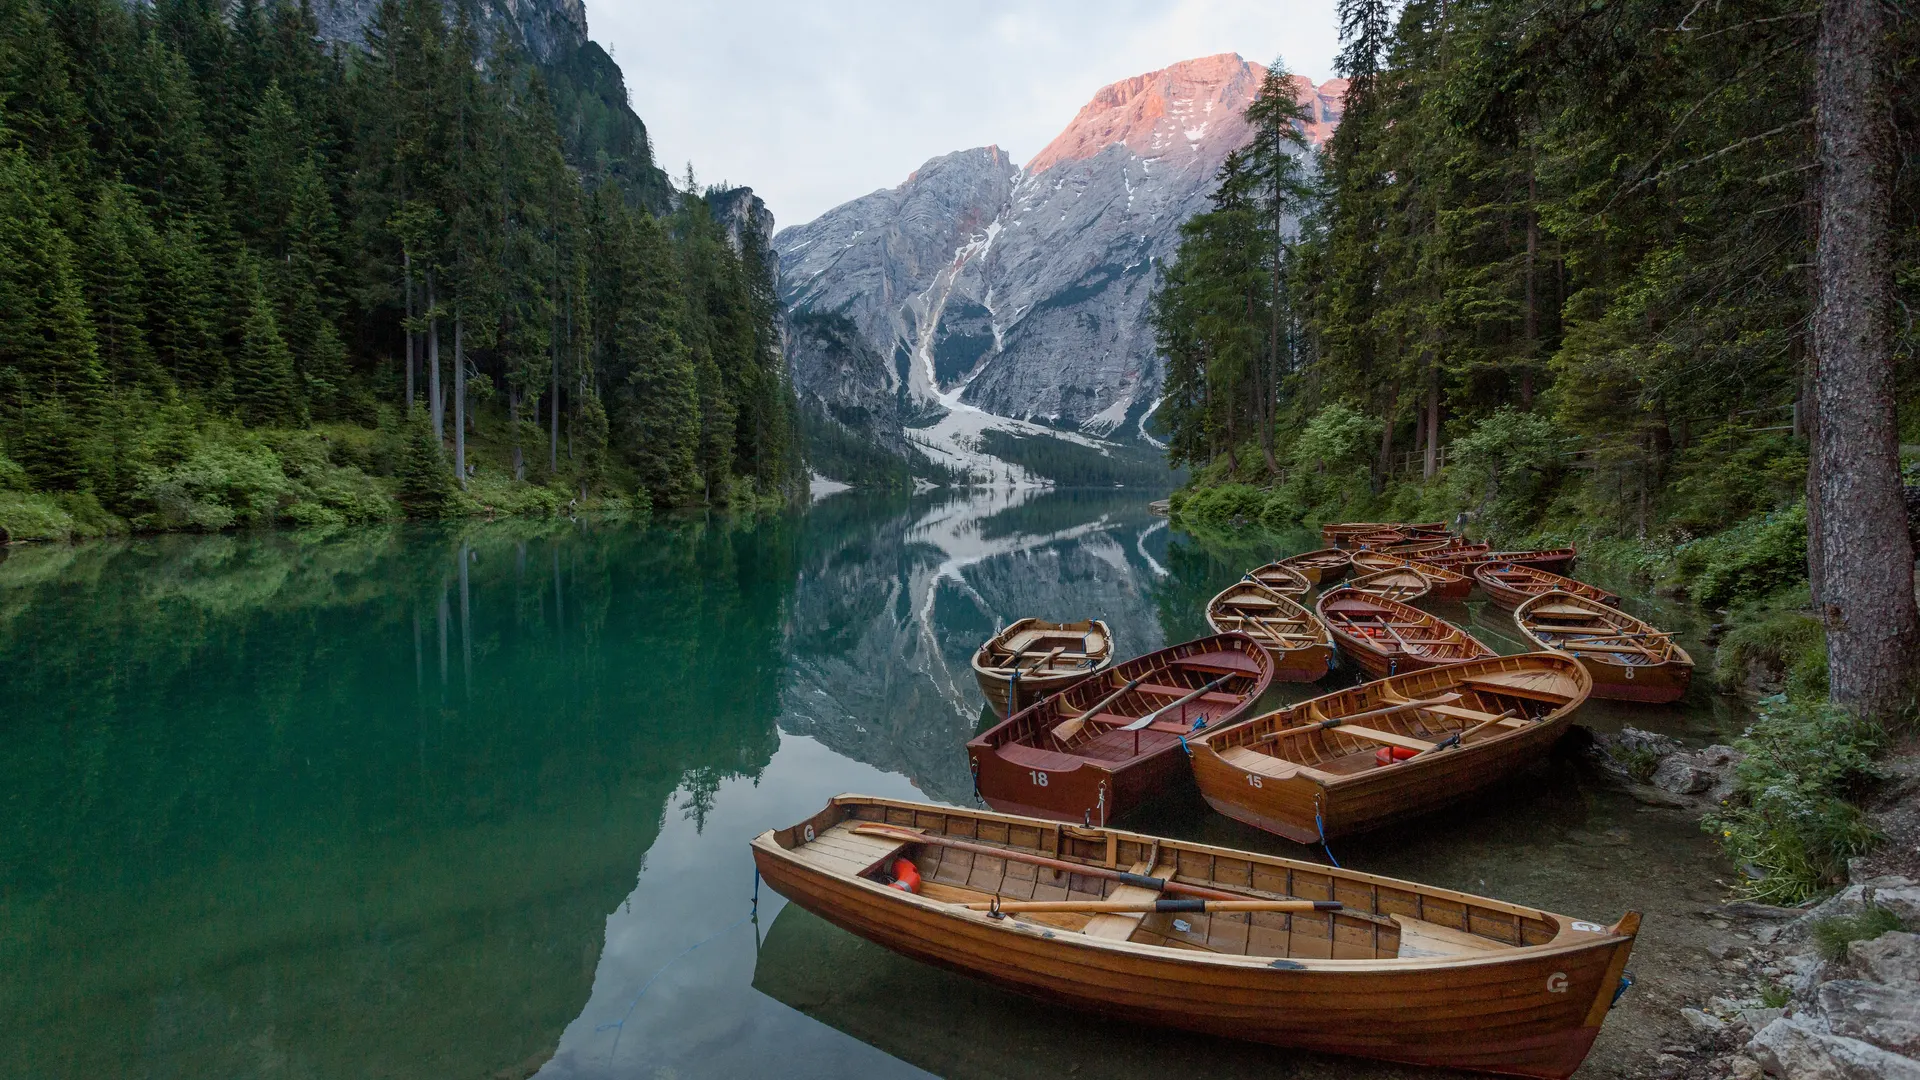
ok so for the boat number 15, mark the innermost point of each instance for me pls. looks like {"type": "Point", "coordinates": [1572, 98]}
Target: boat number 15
{"type": "Point", "coordinates": [1253, 780]}
{"type": "Point", "coordinates": [1039, 778]}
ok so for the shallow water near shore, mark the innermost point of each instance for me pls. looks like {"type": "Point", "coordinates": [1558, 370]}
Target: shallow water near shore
{"type": "Point", "coordinates": [474, 800]}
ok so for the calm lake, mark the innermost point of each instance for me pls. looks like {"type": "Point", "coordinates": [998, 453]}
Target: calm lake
{"type": "Point", "coordinates": [474, 801]}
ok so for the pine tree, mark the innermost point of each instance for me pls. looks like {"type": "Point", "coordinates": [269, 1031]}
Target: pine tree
{"type": "Point", "coordinates": [120, 246]}
{"type": "Point", "coordinates": [184, 317]}
{"type": "Point", "coordinates": [263, 378]}
{"type": "Point", "coordinates": [46, 338]}
{"type": "Point", "coordinates": [426, 484]}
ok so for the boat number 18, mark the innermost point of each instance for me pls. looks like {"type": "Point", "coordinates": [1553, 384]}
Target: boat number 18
{"type": "Point", "coordinates": [1039, 778]}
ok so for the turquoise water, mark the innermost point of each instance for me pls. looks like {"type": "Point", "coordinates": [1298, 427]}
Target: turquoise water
{"type": "Point", "coordinates": [474, 801]}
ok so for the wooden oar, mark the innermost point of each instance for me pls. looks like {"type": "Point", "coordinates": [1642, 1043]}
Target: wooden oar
{"type": "Point", "coordinates": [1067, 729]}
{"type": "Point", "coordinates": [1126, 906]}
{"type": "Point", "coordinates": [1155, 714]}
{"type": "Point", "coordinates": [915, 836]}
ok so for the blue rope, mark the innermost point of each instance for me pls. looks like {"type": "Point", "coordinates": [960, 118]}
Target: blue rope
{"type": "Point", "coordinates": [1183, 745]}
{"type": "Point", "coordinates": [1322, 827]}
{"type": "Point", "coordinates": [621, 1023]}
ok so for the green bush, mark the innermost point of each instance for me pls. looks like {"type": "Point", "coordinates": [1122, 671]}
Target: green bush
{"type": "Point", "coordinates": [1728, 474]}
{"type": "Point", "coordinates": [1780, 639]}
{"type": "Point", "coordinates": [1789, 823]}
{"type": "Point", "coordinates": [1228, 504]}
{"type": "Point", "coordinates": [1501, 468]}
{"type": "Point", "coordinates": [1759, 556]}
{"type": "Point", "coordinates": [218, 486]}
{"type": "Point", "coordinates": [25, 515]}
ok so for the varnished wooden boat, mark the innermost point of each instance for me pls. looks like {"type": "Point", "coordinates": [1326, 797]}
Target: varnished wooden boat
{"type": "Point", "coordinates": [1106, 744]}
{"type": "Point", "coordinates": [1342, 534]}
{"type": "Point", "coordinates": [1402, 971]}
{"type": "Point", "coordinates": [1467, 560]}
{"type": "Point", "coordinates": [1468, 725]}
{"type": "Point", "coordinates": [1386, 637]}
{"type": "Point", "coordinates": [1401, 583]}
{"type": "Point", "coordinates": [1302, 649]}
{"type": "Point", "coordinates": [1409, 547]}
{"type": "Point", "coordinates": [1510, 584]}
{"type": "Point", "coordinates": [1033, 658]}
{"type": "Point", "coordinates": [1442, 583]}
{"type": "Point", "coordinates": [1281, 578]}
{"type": "Point", "coordinates": [1322, 567]}
{"type": "Point", "coordinates": [1628, 659]}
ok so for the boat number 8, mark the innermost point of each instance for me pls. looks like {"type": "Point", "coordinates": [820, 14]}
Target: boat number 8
{"type": "Point", "coordinates": [1039, 778]}
{"type": "Point", "coordinates": [1557, 983]}
{"type": "Point", "coordinates": [1253, 780]}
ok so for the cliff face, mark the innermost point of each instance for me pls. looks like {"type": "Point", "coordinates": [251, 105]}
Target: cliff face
{"type": "Point", "coordinates": [1023, 291]}
{"type": "Point", "coordinates": [603, 137]}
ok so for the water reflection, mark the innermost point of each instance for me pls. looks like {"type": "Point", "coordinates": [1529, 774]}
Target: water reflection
{"type": "Point", "coordinates": [474, 801]}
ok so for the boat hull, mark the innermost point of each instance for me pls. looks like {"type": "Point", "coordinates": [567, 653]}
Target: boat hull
{"type": "Point", "coordinates": [1025, 692]}
{"type": "Point", "coordinates": [1287, 806]}
{"type": "Point", "coordinates": [1649, 684]}
{"type": "Point", "coordinates": [1535, 1013]}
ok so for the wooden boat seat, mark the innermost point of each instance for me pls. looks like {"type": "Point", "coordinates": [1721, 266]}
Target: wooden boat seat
{"type": "Point", "coordinates": [1537, 686]}
{"type": "Point", "coordinates": [1474, 716]}
{"type": "Point", "coordinates": [1176, 693]}
{"type": "Point", "coordinates": [1421, 938]}
{"type": "Point", "coordinates": [1222, 662]}
{"type": "Point", "coordinates": [1119, 927]}
{"type": "Point", "coordinates": [1387, 737]}
{"type": "Point", "coordinates": [841, 850]}
{"type": "Point", "coordinates": [1117, 745]}
{"type": "Point", "coordinates": [1267, 765]}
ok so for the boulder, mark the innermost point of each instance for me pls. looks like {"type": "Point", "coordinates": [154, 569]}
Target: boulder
{"type": "Point", "coordinates": [1886, 1016]}
{"type": "Point", "coordinates": [1682, 774]}
{"type": "Point", "coordinates": [1903, 900]}
{"type": "Point", "coordinates": [1703, 1023]}
{"type": "Point", "coordinates": [1890, 958]}
{"type": "Point", "coordinates": [1788, 1048]}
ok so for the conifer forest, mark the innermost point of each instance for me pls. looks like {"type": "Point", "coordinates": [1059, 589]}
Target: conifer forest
{"type": "Point", "coordinates": [246, 278]}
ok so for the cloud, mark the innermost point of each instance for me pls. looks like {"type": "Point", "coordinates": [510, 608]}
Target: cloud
{"type": "Point", "coordinates": [815, 103]}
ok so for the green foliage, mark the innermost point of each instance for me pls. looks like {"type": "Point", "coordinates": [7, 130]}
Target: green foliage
{"type": "Point", "coordinates": [1777, 643]}
{"type": "Point", "coordinates": [1789, 822]}
{"type": "Point", "coordinates": [1759, 556]}
{"type": "Point", "coordinates": [426, 488]}
{"type": "Point", "coordinates": [208, 214]}
{"type": "Point", "coordinates": [1502, 466]}
{"type": "Point", "coordinates": [1227, 504]}
{"type": "Point", "coordinates": [1832, 936]}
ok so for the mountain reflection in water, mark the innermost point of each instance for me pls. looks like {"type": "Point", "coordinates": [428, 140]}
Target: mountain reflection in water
{"type": "Point", "coordinates": [474, 800]}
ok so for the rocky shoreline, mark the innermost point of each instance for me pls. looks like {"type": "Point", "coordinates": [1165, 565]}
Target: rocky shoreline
{"type": "Point", "coordinates": [1797, 998]}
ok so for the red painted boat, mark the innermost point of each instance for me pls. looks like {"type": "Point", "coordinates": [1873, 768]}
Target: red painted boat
{"type": "Point", "coordinates": [1108, 743]}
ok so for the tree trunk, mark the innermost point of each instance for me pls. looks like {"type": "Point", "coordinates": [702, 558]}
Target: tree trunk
{"type": "Point", "coordinates": [406, 261]}
{"type": "Point", "coordinates": [1433, 420]}
{"type": "Point", "coordinates": [436, 402]}
{"type": "Point", "coordinates": [460, 397]}
{"type": "Point", "coordinates": [1385, 468]}
{"type": "Point", "coordinates": [1532, 326]}
{"type": "Point", "coordinates": [513, 422]}
{"type": "Point", "coordinates": [1866, 560]}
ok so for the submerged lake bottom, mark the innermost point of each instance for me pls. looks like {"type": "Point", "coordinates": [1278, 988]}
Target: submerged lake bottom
{"type": "Point", "coordinates": [474, 800]}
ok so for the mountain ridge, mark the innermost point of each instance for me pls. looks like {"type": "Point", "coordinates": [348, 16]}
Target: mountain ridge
{"type": "Point", "coordinates": [1022, 293]}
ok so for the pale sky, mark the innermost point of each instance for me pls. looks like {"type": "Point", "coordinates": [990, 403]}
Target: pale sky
{"type": "Point", "coordinates": [816, 102]}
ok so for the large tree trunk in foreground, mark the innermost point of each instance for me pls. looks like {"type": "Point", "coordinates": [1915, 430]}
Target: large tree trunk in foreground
{"type": "Point", "coordinates": [1866, 561]}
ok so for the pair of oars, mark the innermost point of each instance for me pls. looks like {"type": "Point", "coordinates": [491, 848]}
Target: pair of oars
{"type": "Point", "coordinates": [1196, 893]}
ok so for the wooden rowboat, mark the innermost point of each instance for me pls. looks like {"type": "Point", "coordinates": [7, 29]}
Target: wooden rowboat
{"type": "Point", "coordinates": [1342, 534]}
{"type": "Point", "coordinates": [1509, 584]}
{"type": "Point", "coordinates": [1033, 658]}
{"type": "Point", "coordinates": [1628, 659]}
{"type": "Point", "coordinates": [1399, 971]}
{"type": "Point", "coordinates": [1283, 579]}
{"type": "Point", "coordinates": [1104, 745]}
{"type": "Point", "coordinates": [1442, 583]}
{"type": "Point", "coordinates": [1401, 583]}
{"type": "Point", "coordinates": [1466, 561]}
{"type": "Point", "coordinates": [1464, 725]}
{"type": "Point", "coordinates": [1302, 649]}
{"type": "Point", "coordinates": [1322, 567]}
{"type": "Point", "coordinates": [1386, 637]}
{"type": "Point", "coordinates": [1409, 547]}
